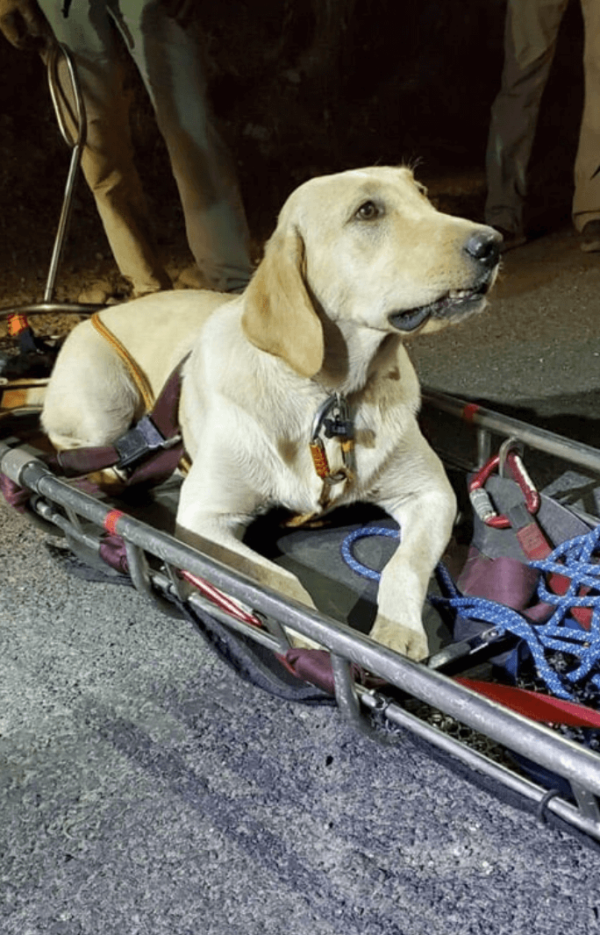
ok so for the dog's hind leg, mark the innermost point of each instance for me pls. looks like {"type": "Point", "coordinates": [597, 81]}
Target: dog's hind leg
{"type": "Point", "coordinates": [91, 399]}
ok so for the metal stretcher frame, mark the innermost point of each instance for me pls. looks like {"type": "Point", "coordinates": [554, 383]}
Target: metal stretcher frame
{"type": "Point", "coordinates": [73, 511]}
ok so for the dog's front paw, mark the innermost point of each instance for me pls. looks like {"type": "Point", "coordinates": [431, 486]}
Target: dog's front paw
{"type": "Point", "coordinates": [405, 640]}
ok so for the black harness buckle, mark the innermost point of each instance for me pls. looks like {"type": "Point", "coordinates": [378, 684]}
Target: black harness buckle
{"type": "Point", "coordinates": [338, 428]}
{"type": "Point", "coordinates": [141, 440]}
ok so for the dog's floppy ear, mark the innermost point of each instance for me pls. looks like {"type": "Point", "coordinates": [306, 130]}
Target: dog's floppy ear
{"type": "Point", "coordinates": [279, 316]}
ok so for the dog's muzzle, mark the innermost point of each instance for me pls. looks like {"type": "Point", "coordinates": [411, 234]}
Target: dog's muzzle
{"type": "Point", "coordinates": [483, 249]}
{"type": "Point", "coordinates": [456, 302]}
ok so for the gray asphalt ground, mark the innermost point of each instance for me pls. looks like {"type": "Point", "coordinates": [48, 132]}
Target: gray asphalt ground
{"type": "Point", "coordinates": [536, 347]}
{"type": "Point", "coordinates": [146, 790]}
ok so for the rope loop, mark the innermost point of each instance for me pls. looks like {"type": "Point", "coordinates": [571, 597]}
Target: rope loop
{"type": "Point", "coordinates": [574, 560]}
{"type": "Point", "coordinates": [560, 633]}
{"type": "Point", "coordinates": [365, 532]}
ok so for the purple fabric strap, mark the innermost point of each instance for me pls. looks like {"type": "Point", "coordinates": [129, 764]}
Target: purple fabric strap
{"type": "Point", "coordinates": [77, 461]}
{"type": "Point", "coordinates": [504, 580]}
{"type": "Point", "coordinates": [15, 496]}
{"type": "Point", "coordinates": [112, 551]}
{"type": "Point", "coordinates": [314, 665]}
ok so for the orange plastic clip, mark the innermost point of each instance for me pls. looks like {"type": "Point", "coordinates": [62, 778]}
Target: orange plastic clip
{"type": "Point", "coordinates": [16, 324]}
{"type": "Point", "coordinates": [319, 456]}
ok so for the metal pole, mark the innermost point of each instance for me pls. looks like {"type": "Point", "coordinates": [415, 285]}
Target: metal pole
{"type": "Point", "coordinates": [60, 102]}
{"type": "Point", "coordinates": [76, 145]}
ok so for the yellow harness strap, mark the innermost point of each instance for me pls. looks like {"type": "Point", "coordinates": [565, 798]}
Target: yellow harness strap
{"type": "Point", "coordinates": [139, 377]}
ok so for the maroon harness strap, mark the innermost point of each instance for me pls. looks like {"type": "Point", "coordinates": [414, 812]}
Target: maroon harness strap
{"type": "Point", "coordinates": [156, 465]}
{"type": "Point", "coordinates": [16, 497]}
{"type": "Point", "coordinates": [77, 461]}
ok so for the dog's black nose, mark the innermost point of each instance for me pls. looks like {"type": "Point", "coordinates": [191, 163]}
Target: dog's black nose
{"type": "Point", "coordinates": [484, 246]}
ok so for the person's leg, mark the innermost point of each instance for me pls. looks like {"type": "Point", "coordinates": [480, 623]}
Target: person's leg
{"type": "Point", "coordinates": [531, 33]}
{"type": "Point", "coordinates": [107, 159]}
{"type": "Point", "coordinates": [586, 201]}
{"type": "Point", "coordinates": [169, 57]}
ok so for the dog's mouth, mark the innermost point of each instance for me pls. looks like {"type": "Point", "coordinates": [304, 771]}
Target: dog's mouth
{"type": "Point", "coordinates": [456, 302]}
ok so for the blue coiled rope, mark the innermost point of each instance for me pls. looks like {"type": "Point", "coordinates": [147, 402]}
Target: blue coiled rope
{"type": "Point", "coordinates": [365, 532]}
{"type": "Point", "coordinates": [571, 559]}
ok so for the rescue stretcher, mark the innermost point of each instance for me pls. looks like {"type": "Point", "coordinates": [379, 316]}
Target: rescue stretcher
{"type": "Point", "coordinates": [546, 758]}
{"type": "Point", "coordinates": [376, 689]}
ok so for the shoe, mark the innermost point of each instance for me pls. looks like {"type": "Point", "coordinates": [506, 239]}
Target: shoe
{"type": "Point", "coordinates": [511, 239]}
{"type": "Point", "coordinates": [191, 278]}
{"type": "Point", "coordinates": [590, 237]}
{"type": "Point", "coordinates": [102, 292]}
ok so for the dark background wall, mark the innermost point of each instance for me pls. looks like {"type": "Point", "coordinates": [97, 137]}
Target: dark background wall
{"type": "Point", "coordinates": [301, 88]}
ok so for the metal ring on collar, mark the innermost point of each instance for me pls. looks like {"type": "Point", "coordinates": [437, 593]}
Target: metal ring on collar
{"type": "Point", "coordinates": [321, 414]}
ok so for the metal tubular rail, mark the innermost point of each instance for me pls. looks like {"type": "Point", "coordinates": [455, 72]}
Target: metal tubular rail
{"type": "Point", "coordinates": [529, 790]}
{"type": "Point", "coordinates": [77, 144]}
{"type": "Point", "coordinates": [576, 453]}
{"type": "Point", "coordinates": [511, 730]}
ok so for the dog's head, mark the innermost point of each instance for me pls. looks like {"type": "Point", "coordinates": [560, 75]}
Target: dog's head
{"type": "Point", "coordinates": [366, 247]}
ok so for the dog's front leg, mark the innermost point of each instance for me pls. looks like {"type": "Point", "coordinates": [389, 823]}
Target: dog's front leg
{"type": "Point", "coordinates": [219, 534]}
{"type": "Point", "coordinates": [425, 517]}
{"type": "Point", "coordinates": [221, 539]}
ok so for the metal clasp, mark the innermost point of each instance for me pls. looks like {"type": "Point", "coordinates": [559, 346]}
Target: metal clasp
{"type": "Point", "coordinates": [509, 457]}
{"type": "Point", "coordinates": [341, 424]}
{"type": "Point", "coordinates": [341, 427]}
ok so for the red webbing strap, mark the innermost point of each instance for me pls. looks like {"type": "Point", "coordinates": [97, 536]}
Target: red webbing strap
{"type": "Point", "coordinates": [537, 707]}
{"type": "Point", "coordinates": [536, 547]}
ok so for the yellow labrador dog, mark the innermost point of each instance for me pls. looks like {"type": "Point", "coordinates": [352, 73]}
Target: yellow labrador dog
{"type": "Point", "coordinates": [300, 392]}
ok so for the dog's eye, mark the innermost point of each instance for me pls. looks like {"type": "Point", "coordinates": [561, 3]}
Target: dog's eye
{"type": "Point", "coordinates": [368, 211]}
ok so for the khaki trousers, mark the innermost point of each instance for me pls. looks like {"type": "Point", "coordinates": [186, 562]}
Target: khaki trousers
{"type": "Point", "coordinates": [531, 34]}
{"type": "Point", "coordinates": [169, 59]}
